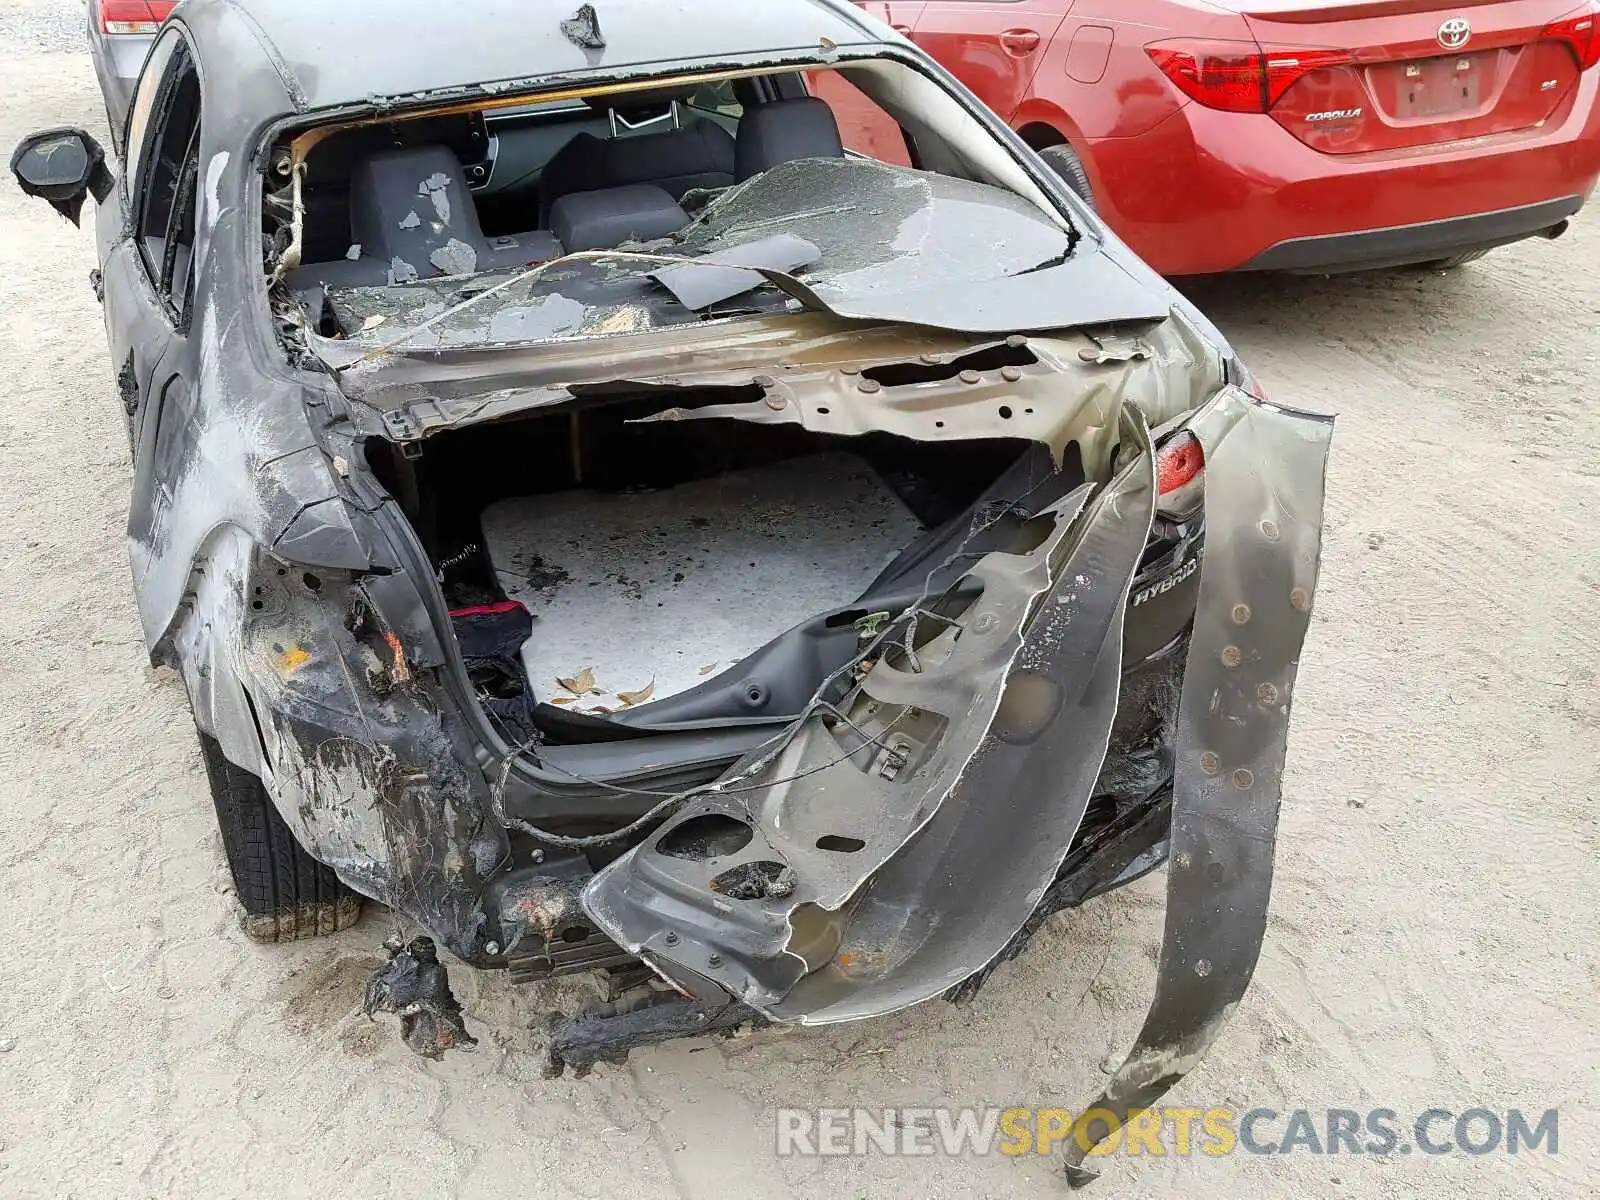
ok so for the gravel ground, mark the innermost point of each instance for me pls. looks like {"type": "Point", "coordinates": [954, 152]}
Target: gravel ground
{"type": "Point", "coordinates": [1433, 936]}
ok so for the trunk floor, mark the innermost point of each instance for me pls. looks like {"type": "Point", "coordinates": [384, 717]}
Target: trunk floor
{"type": "Point", "coordinates": [668, 588]}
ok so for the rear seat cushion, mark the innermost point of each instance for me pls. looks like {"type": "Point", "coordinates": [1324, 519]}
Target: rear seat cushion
{"type": "Point", "coordinates": [608, 217]}
{"type": "Point", "coordinates": [782, 130]}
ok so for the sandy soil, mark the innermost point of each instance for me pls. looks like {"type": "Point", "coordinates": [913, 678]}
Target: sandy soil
{"type": "Point", "coordinates": [1434, 928]}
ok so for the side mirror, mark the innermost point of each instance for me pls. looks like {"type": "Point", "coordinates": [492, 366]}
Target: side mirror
{"type": "Point", "coordinates": [62, 166]}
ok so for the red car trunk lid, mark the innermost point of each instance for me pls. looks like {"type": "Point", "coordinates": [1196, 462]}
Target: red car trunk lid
{"type": "Point", "coordinates": [1418, 73]}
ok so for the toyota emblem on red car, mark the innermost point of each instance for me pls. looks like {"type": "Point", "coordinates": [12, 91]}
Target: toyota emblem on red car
{"type": "Point", "coordinates": [1455, 33]}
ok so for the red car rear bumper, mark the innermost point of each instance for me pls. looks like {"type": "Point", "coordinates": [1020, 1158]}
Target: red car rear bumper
{"type": "Point", "coordinates": [1211, 191]}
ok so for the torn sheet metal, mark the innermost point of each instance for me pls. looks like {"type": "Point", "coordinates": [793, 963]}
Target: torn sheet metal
{"type": "Point", "coordinates": [582, 29]}
{"type": "Point", "coordinates": [1264, 492]}
{"type": "Point", "coordinates": [1036, 402]}
{"type": "Point", "coordinates": [913, 932]}
{"type": "Point", "coordinates": [821, 378]}
{"type": "Point", "coordinates": [1014, 697]}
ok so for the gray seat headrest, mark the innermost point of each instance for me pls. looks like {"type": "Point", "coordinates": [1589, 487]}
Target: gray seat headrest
{"type": "Point", "coordinates": [781, 130]}
{"type": "Point", "coordinates": [413, 206]}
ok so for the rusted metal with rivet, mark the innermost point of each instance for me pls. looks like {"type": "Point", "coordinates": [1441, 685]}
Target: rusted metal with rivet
{"type": "Point", "coordinates": [1231, 656]}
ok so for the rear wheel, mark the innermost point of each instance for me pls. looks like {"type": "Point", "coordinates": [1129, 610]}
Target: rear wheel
{"type": "Point", "coordinates": [1064, 161]}
{"type": "Point", "coordinates": [286, 894]}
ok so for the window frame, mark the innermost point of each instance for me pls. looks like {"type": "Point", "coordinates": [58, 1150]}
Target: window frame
{"type": "Point", "coordinates": [177, 69]}
{"type": "Point", "coordinates": [151, 85]}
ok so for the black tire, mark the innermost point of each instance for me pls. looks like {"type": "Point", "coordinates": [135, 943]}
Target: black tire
{"type": "Point", "coordinates": [1064, 161]}
{"type": "Point", "coordinates": [1458, 260]}
{"type": "Point", "coordinates": [285, 893]}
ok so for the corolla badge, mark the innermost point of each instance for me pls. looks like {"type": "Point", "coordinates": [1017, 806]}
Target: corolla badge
{"type": "Point", "coordinates": [1455, 33]}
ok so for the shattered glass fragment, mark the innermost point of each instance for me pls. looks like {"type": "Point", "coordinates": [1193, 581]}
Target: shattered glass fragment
{"type": "Point", "coordinates": [455, 257]}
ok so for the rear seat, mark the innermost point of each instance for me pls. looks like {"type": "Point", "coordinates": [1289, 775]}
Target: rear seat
{"type": "Point", "coordinates": [412, 216]}
{"type": "Point", "coordinates": [699, 154]}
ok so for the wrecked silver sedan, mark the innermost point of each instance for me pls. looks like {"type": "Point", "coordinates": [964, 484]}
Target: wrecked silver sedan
{"type": "Point", "coordinates": [697, 501]}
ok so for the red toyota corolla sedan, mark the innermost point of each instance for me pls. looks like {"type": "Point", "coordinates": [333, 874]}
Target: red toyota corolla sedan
{"type": "Point", "coordinates": [1301, 135]}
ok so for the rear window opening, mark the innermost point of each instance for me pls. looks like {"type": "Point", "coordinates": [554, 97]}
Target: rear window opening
{"type": "Point", "coordinates": [376, 227]}
{"type": "Point", "coordinates": [702, 571]}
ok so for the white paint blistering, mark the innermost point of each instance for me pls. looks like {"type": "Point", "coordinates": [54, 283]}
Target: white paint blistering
{"type": "Point", "coordinates": [213, 192]}
{"type": "Point", "coordinates": [220, 478]}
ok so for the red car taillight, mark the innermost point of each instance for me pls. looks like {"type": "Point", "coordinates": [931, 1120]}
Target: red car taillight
{"type": "Point", "coordinates": [1237, 76]}
{"type": "Point", "coordinates": [1180, 474]}
{"type": "Point", "coordinates": [1581, 31]}
{"type": "Point", "coordinates": [134, 16]}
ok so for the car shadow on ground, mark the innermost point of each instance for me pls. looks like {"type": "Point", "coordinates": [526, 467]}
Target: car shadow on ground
{"type": "Point", "coordinates": [1409, 297]}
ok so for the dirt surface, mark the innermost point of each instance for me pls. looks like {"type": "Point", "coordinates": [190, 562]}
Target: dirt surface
{"type": "Point", "coordinates": [1434, 927]}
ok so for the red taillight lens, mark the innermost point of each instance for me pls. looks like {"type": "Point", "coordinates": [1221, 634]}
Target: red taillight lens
{"type": "Point", "coordinates": [1180, 474]}
{"type": "Point", "coordinates": [134, 16]}
{"type": "Point", "coordinates": [1225, 75]}
{"type": "Point", "coordinates": [1237, 76]}
{"type": "Point", "coordinates": [1581, 31]}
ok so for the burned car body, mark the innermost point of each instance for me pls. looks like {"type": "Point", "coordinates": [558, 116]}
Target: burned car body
{"type": "Point", "coordinates": [770, 571]}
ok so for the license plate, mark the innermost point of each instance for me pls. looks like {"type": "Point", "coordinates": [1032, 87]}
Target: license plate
{"type": "Point", "coordinates": [1435, 87]}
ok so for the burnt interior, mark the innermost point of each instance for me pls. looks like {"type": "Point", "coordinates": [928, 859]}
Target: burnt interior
{"type": "Point", "coordinates": [446, 489]}
{"type": "Point", "coordinates": [590, 448]}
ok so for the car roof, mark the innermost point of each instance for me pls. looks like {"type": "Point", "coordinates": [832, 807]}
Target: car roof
{"type": "Point", "coordinates": [333, 53]}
